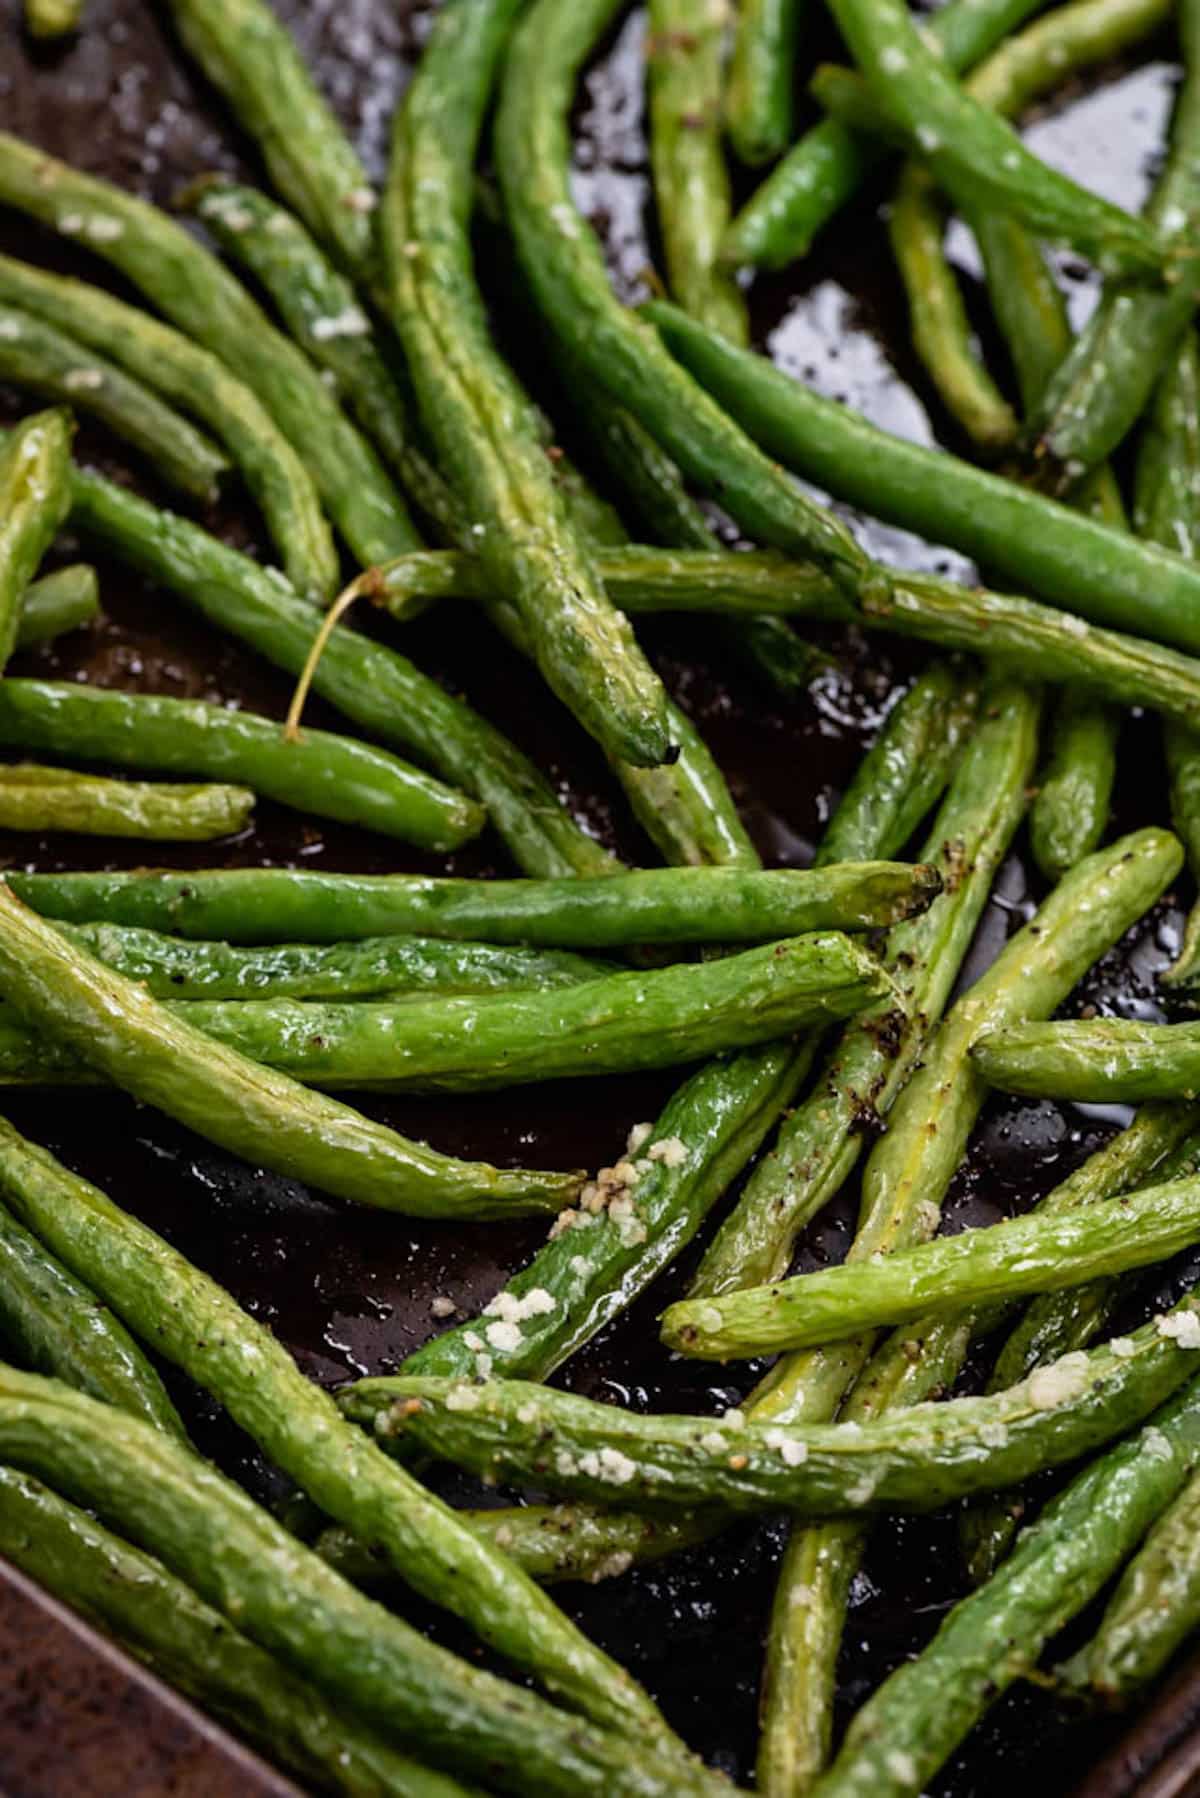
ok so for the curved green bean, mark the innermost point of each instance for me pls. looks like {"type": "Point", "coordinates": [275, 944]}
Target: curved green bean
{"type": "Point", "coordinates": [477, 418]}
{"type": "Point", "coordinates": [759, 108]}
{"type": "Point", "coordinates": [652, 905]}
{"type": "Point", "coordinates": [57, 603]}
{"type": "Point", "coordinates": [235, 1556]}
{"type": "Point", "coordinates": [565, 269]}
{"type": "Point", "coordinates": [161, 1621]}
{"type": "Point", "coordinates": [199, 383]}
{"type": "Point", "coordinates": [36, 798]}
{"type": "Point", "coordinates": [691, 182]}
{"type": "Point", "coordinates": [35, 496]}
{"type": "Point", "coordinates": [174, 969]}
{"type": "Point", "coordinates": [34, 356]}
{"type": "Point", "coordinates": [314, 771]}
{"type": "Point", "coordinates": [117, 1028]}
{"type": "Point", "coordinates": [1070, 560]}
{"type": "Point", "coordinates": [194, 1323]}
{"type": "Point", "coordinates": [207, 303]}
{"type": "Point", "coordinates": [826, 168]}
{"type": "Point", "coordinates": [915, 1458]}
{"type": "Point", "coordinates": [1102, 1060]}
{"type": "Point", "coordinates": [920, 1713]}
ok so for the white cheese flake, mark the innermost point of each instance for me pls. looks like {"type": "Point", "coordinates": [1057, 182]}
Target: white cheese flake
{"type": "Point", "coordinates": [1183, 1326]}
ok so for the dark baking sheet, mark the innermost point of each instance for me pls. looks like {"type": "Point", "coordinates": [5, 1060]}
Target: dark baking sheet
{"type": "Point", "coordinates": [349, 1292]}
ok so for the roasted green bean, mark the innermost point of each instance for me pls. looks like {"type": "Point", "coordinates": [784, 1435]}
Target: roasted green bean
{"type": "Point", "coordinates": [36, 798]}
{"type": "Point", "coordinates": [758, 97]}
{"type": "Point", "coordinates": [1101, 1060]}
{"type": "Point", "coordinates": [57, 603]}
{"type": "Point", "coordinates": [35, 495]}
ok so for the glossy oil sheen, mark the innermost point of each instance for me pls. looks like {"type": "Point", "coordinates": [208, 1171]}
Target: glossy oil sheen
{"type": "Point", "coordinates": [350, 1293]}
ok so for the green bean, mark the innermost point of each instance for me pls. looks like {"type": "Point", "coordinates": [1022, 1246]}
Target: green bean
{"type": "Point", "coordinates": [548, 1542]}
{"type": "Point", "coordinates": [691, 181]}
{"type": "Point", "coordinates": [253, 60]}
{"type": "Point", "coordinates": [161, 1620]}
{"type": "Point", "coordinates": [204, 301]}
{"type": "Point", "coordinates": [115, 1027]}
{"type": "Point", "coordinates": [1157, 1143]}
{"type": "Point", "coordinates": [938, 323]}
{"type": "Point", "coordinates": [1021, 1255]}
{"type": "Point", "coordinates": [56, 1325]}
{"type": "Point", "coordinates": [1166, 501]}
{"type": "Point", "coordinates": [60, 602]}
{"type": "Point", "coordinates": [36, 357]}
{"type": "Point", "coordinates": [200, 385]}
{"type": "Point", "coordinates": [915, 1458]}
{"type": "Point", "coordinates": [918, 1716]}
{"type": "Point", "coordinates": [566, 272]}
{"type": "Point", "coordinates": [1104, 384]}
{"type": "Point", "coordinates": [1069, 817]}
{"type": "Point", "coordinates": [1154, 1609]}
{"type": "Point", "coordinates": [52, 18]}
{"type": "Point", "coordinates": [653, 905]}
{"type": "Point", "coordinates": [1025, 298]}
{"type": "Point", "coordinates": [315, 771]}
{"type": "Point", "coordinates": [323, 314]}
{"type": "Point", "coordinates": [194, 1323]}
{"type": "Point", "coordinates": [906, 770]}
{"type": "Point", "coordinates": [35, 494]}
{"type": "Point", "coordinates": [1102, 1060]}
{"type": "Point", "coordinates": [830, 163]}
{"type": "Point", "coordinates": [370, 683]}
{"type": "Point", "coordinates": [171, 969]}
{"type": "Point", "coordinates": [759, 109]}
{"type": "Point", "coordinates": [1128, 670]}
{"type": "Point", "coordinates": [37, 798]}
{"type": "Point", "coordinates": [479, 421]}
{"type": "Point", "coordinates": [1070, 560]}
{"type": "Point", "coordinates": [820, 1142]}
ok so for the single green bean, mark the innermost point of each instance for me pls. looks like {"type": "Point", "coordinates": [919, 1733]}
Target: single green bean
{"type": "Point", "coordinates": [194, 1323]}
{"type": "Point", "coordinates": [1103, 386]}
{"type": "Point", "coordinates": [323, 314]}
{"type": "Point", "coordinates": [116, 1027]}
{"type": "Point", "coordinates": [759, 106]}
{"type": "Point", "coordinates": [915, 1458]}
{"type": "Point", "coordinates": [938, 323]}
{"type": "Point", "coordinates": [174, 969]}
{"type": "Point", "coordinates": [1161, 1141]}
{"type": "Point", "coordinates": [653, 905]}
{"type": "Point", "coordinates": [1128, 670]}
{"type": "Point", "coordinates": [908, 767]}
{"type": "Point", "coordinates": [1022, 1255]}
{"type": "Point", "coordinates": [1103, 1060]}
{"type": "Point", "coordinates": [199, 384]}
{"type": "Point", "coordinates": [918, 1716]}
{"type": "Point", "coordinates": [691, 182]}
{"type": "Point", "coordinates": [370, 683]}
{"type": "Point", "coordinates": [57, 603]}
{"type": "Point", "coordinates": [54, 1324]}
{"type": "Point", "coordinates": [566, 272]}
{"type": "Point", "coordinates": [35, 495]}
{"type": "Point", "coordinates": [1070, 814]}
{"type": "Point", "coordinates": [252, 59]}
{"type": "Point", "coordinates": [207, 303]}
{"type": "Point", "coordinates": [161, 1620]}
{"type": "Point", "coordinates": [826, 168]}
{"type": "Point", "coordinates": [36, 798]}
{"type": "Point", "coordinates": [1070, 560]}
{"type": "Point", "coordinates": [314, 771]}
{"type": "Point", "coordinates": [52, 18]}
{"type": "Point", "coordinates": [479, 422]}
{"type": "Point", "coordinates": [36, 357]}
{"type": "Point", "coordinates": [1166, 500]}
{"type": "Point", "coordinates": [235, 1556]}
{"type": "Point", "coordinates": [820, 1142]}
{"type": "Point", "coordinates": [1154, 1609]}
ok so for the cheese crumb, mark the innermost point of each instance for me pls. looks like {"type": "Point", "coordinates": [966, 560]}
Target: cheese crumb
{"type": "Point", "coordinates": [993, 1435]}
{"type": "Point", "coordinates": [360, 199]}
{"type": "Point", "coordinates": [638, 1136]}
{"type": "Point", "coordinates": [612, 1566]}
{"type": "Point", "coordinates": [670, 1150]}
{"type": "Point", "coordinates": [352, 321]}
{"type": "Point", "coordinates": [1184, 1326]}
{"type": "Point", "coordinates": [506, 1338]}
{"type": "Point", "coordinates": [83, 380]}
{"type": "Point", "coordinates": [462, 1398]}
{"type": "Point", "coordinates": [442, 1307]}
{"type": "Point", "coordinates": [527, 1414]}
{"type": "Point", "coordinates": [735, 1419]}
{"type": "Point", "coordinates": [473, 1339]}
{"type": "Point", "coordinates": [1059, 1383]}
{"type": "Point", "coordinates": [901, 1766]}
{"type": "Point", "coordinates": [1154, 1442]}
{"type": "Point", "coordinates": [1123, 1347]}
{"type": "Point", "coordinates": [793, 1452]}
{"type": "Point", "coordinates": [483, 1366]}
{"type": "Point", "coordinates": [579, 1264]}
{"type": "Point", "coordinates": [714, 1443]}
{"type": "Point", "coordinates": [616, 1466]}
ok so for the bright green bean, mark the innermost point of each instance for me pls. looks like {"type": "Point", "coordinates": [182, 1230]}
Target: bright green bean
{"type": "Point", "coordinates": [759, 108]}
{"type": "Point", "coordinates": [57, 603]}
{"type": "Point", "coordinates": [115, 1027]}
{"type": "Point", "coordinates": [199, 384]}
{"type": "Point", "coordinates": [691, 181]}
{"type": "Point", "coordinates": [35, 495]}
{"type": "Point", "coordinates": [1070, 813]}
{"type": "Point", "coordinates": [37, 798]}
{"type": "Point", "coordinates": [1102, 1060]}
{"type": "Point", "coordinates": [1166, 501]}
{"type": "Point", "coordinates": [314, 771]}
